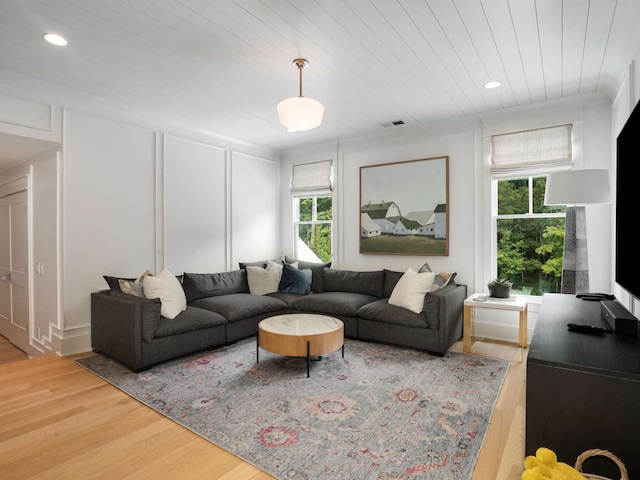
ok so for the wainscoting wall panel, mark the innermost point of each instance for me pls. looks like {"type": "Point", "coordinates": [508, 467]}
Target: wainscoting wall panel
{"type": "Point", "coordinates": [195, 213]}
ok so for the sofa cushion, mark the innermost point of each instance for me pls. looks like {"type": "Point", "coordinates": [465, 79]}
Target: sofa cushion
{"type": "Point", "coordinates": [317, 274]}
{"type": "Point", "coordinates": [381, 311]}
{"type": "Point", "coordinates": [168, 289]}
{"type": "Point", "coordinates": [332, 303]}
{"type": "Point", "coordinates": [367, 283]}
{"type": "Point", "coordinates": [287, 298]}
{"type": "Point", "coordinates": [294, 279]}
{"type": "Point", "coordinates": [188, 321]}
{"type": "Point", "coordinates": [238, 306]}
{"type": "Point", "coordinates": [390, 279]}
{"type": "Point", "coordinates": [201, 285]}
{"type": "Point", "coordinates": [264, 280]}
{"type": "Point", "coordinates": [410, 290]}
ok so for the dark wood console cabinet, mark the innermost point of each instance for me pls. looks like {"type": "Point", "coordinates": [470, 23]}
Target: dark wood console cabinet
{"type": "Point", "coordinates": [583, 390]}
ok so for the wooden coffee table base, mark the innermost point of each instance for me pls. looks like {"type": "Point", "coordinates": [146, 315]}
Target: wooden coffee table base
{"type": "Point", "coordinates": [300, 335]}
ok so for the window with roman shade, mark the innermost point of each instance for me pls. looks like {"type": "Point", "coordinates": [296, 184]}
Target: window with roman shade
{"type": "Point", "coordinates": [546, 148]}
{"type": "Point", "coordinates": [527, 235]}
{"type": "Point", "coordinates": [311, 177]}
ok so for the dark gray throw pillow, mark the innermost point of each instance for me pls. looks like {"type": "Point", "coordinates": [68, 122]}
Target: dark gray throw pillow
{"type": "Point", "coordinates": [295, 280]}
{"type": "Point", "coordinates": [317, 276]}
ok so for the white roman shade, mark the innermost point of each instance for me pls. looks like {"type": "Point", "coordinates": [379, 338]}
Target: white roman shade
{"type": "Point", "coordinates": [532, 148]}
{"type": "Point", "coordinates": [311, 177]}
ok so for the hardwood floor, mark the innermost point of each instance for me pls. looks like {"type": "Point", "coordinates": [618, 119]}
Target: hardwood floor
{"type": "Point", "coordinates": [9, 352]}
{"type": "Point", "coordinates": [59, 421]}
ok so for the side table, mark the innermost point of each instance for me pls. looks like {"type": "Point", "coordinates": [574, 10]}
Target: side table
{"type": "Point", "coordinates": [514, 303]}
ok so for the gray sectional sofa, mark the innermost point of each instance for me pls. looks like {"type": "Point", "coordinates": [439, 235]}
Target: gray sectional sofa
{"type": "Point", "coordinates": [221, 310]}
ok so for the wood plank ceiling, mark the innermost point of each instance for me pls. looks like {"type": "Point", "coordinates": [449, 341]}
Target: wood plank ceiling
{"type": "Point", "coordinates": [223, 65]}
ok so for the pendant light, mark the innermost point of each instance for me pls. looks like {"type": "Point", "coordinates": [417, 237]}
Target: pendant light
{"type": "Point", "coordinates": [300, 113]}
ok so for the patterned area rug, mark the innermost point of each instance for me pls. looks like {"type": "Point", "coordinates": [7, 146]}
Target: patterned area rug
{"type": "Point", "coordinates": [382, 412]}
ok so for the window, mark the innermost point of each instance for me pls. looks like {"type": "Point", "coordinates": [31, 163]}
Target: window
{"type": "Point", "coordinates": [530, 236]}
{"type": "Point", "coordinates": [314, 215]}
{"type": "Point", "coordinates": [529, 241]}
{"type": "Point", "coordinates": [313, 205]}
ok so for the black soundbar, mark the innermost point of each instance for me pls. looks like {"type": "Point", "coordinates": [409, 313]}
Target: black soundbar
{"type": "Point", "coordinates": [619, 318]}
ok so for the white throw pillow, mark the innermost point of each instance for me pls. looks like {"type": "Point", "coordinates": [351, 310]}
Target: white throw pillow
{"type": "Point", "coordinates": [264, 280]}
{"type": "Point", "coordinates": [167, 288]}
{"type": "Point", "coordinates": [410, 290]}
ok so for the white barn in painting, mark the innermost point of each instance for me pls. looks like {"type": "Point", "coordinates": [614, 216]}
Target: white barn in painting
{"type": "Point", "coordinates": [441, 221]}
{"type": "Point", "coordinates": [368, 228]}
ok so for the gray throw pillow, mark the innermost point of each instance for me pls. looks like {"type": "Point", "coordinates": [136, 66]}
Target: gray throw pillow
{"type": "Point", "coordinates": [295, 280]}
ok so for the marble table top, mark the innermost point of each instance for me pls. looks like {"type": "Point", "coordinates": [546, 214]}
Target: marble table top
{"type": "Point", "coordinates": [300, 324]}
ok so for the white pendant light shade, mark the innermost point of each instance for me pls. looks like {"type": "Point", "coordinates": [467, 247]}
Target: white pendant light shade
{"type": "Point", "coordinates": [300, 113]}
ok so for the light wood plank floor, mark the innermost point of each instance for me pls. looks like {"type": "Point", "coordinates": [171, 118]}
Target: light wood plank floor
{"type": "Point", "coordinates": [9, 352]}
{"type": "Point", "coordinates": [59, 421]}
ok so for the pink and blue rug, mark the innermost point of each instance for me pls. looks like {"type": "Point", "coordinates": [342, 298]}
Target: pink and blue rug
{"type": "Point", "coordinates": [382, 412]}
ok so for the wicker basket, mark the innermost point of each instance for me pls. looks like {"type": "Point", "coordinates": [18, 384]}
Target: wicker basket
{"type": "Point", "coordinates": [600, 453]}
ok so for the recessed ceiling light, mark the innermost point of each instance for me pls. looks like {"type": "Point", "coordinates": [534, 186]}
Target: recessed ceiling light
{"type": "Point", "coordinates": [492, 84]}
{"type": "Point", "coordinates": [54, 39]}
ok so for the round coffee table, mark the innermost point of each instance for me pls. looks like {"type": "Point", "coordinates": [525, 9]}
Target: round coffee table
{"type": "Point", "coordinates": [300, 335]}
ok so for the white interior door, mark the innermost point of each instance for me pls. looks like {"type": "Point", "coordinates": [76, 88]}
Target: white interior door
{"type": "Point", "coordinates": [14, 280]}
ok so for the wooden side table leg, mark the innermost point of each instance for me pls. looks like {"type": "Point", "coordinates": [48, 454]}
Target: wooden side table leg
{"type": "Point", "coordinates": [524, 334]}
{"type": "Point", "coordinates": [467, 329]}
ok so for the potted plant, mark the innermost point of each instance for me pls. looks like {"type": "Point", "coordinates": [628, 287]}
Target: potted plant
{"type": "Point", "coordinates": [500, 288]}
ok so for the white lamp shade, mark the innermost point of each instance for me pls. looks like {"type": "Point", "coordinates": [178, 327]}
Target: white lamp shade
{"type": "Point", "coordinates": [577, 187]}
{"type": "Point", "coordinates": [300, 113]}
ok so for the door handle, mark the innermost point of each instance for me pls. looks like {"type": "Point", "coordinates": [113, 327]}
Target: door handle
{"type": "Point", "coordinates": [7, 277]}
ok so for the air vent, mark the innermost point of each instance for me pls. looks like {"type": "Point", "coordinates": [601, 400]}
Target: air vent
{"type": "Point", "coordinates": [393, 123]}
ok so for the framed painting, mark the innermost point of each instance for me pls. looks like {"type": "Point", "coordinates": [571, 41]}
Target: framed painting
{"type": "Point", "coordinates": [404, 207]}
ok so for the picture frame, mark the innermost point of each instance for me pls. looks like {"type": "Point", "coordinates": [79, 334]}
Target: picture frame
{"type": "Point", "coordinates": [404, 207]}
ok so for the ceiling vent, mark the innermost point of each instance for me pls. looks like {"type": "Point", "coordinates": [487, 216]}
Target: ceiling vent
{"type": "Point", "coordinates": [393, 123]}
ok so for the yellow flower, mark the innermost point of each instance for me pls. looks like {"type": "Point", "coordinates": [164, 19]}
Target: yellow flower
{"type": "Point", "coordinates": [545, 466]}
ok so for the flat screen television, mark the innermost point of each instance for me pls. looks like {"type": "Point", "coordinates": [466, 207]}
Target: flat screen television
{"type": "Point", "coordinates": [627, 181]}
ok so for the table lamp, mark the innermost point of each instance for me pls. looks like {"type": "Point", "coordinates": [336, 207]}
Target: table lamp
{"type": "Point", "coordinates": [576, 188]}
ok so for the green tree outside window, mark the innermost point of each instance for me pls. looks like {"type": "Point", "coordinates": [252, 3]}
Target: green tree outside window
{"type": "Point", "coordinates": [315, 215]}
{"type": "Point", "coordinates": [530, 237]}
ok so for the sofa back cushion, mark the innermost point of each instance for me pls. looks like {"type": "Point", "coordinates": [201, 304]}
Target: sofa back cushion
{"type": "Point", "coordinates": [317, 275]}
{"type": "Point", "coordinates": [368, 283]}
{"type": "Point", "coordinates": [201, 285]}
{"type": "Point", "coordinates": [391, 278]}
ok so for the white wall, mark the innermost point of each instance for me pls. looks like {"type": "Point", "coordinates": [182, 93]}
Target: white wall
{"type": "Point", "coordinates": [194, 203]}
{"type": "Point", "coordinates": [591, 117]}
{"type": "Point", "coordinates": [109, 210]}
{"type": "Point", "coordinates": [47, 286]}
{"type": "Point", "coordinates": [255, 209]}
{"type": "Point", "coordinates": [46, 318]}
{"type": "Point", "coordinates": [458, 145]}
{"type": "Point", "coordinates": [138, 199]}
{"type": "Point", "coordinates": [130, 194]}
{"type": "Point", "coordinates": [465, 141]}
